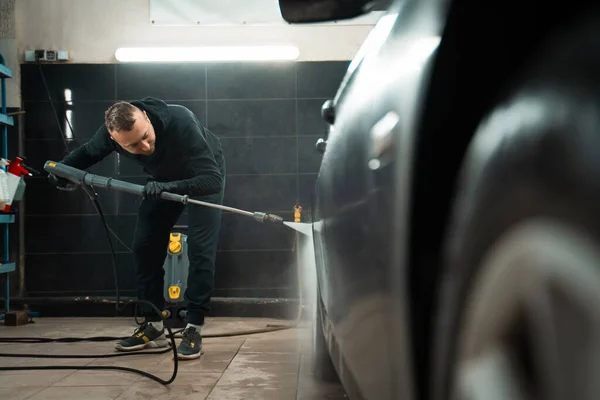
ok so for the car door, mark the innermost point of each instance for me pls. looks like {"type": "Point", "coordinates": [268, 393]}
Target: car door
{"type": "Point", "coordinates": [352, 234]}
{"type": "Point", "coordinates": [362, 200]}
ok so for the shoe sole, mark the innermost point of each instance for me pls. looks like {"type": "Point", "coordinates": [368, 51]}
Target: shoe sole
{"type": "Point", "coordinates": [189, 356]}
{"type": "Point", "coordinates": [150, 345]}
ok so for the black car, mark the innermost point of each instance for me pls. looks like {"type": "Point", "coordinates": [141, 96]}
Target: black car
{"type": "Point", "coordinates": [457, 208]}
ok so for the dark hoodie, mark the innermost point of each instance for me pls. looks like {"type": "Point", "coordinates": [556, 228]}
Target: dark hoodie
{"type": "Point", "coordinates": [185, 151]}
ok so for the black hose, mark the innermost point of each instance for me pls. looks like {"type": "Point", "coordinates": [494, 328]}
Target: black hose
{"type": "Point", "coordinates": [171, 335]}
{"type": "Point", "coordinates": [93, 196]}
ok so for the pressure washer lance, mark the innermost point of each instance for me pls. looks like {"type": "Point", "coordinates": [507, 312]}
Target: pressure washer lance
{"type": "Point", "coordinates": [80, 177]}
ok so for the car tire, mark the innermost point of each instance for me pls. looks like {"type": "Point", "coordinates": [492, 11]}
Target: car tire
{"type": "Point", "coordinates": [322, 365]}
{"type": "Point", "coordinates": [517, 314]}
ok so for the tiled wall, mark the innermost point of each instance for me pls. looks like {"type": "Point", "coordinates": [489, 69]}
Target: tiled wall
{"type": "Point", "coordinates": [268, 117]}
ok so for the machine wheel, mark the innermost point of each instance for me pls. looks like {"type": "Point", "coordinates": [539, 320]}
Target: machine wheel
{"type": "Point", "coordinates": [520, 292]}
{"type": "Point", "coordinates": [322, 366]}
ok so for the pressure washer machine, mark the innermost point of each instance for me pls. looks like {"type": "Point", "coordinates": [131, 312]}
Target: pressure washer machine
{"type": "Point", "coordinates": [176, 267]}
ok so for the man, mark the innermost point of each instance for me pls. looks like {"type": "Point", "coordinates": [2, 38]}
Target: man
{"type": "Point", "coordinates": [182, 157]}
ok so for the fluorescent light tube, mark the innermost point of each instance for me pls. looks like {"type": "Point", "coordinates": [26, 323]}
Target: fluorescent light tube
{"type": "Point", "coordinates": [191, 54]}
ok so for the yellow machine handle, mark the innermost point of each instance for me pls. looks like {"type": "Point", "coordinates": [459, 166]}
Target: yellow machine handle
{"type": "Point", "coordinates": [174, 292]}
{"type": "Point", "coordinates": [175, 243]}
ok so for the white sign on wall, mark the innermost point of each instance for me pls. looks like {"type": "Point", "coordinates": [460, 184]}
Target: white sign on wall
{"type": "Point", "coordinates": [231, 12]}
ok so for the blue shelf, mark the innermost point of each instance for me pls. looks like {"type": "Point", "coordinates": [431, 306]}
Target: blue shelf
{"type": "Point", "coordinates": [5, 72]}
{"type": "Point", "coordinates": [7, 267]}
{"type": "Point", "coordinates": [6, 120]}
{"type": "Point", "coordinates": [7, 218]}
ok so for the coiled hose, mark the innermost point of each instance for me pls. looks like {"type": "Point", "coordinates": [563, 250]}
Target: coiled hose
{"type": "Point", "coordinates": [171, 335]}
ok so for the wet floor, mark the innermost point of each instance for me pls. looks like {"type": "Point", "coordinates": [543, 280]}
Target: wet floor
{"type": "Point", "coordinates": [274, 365]}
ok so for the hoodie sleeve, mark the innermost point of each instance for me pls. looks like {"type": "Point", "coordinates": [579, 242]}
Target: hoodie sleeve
{"type": "Point", "coordinates": [91, 152]}
{"type": "Point", "coordinates": [205, 173]}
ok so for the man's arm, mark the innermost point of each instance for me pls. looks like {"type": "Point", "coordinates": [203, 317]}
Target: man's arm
{"type": "Point", "coordinates": [91, 152]}
{"type": "Point", "coordinates": [206, 175]}
{"type": "Point", "coordinates": [83, 157]}
{"type": "Point", "coordinates": [209, 182]}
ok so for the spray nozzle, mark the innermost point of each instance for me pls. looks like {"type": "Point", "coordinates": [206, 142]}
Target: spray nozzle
{"type": "Point", "coordinates": [263, 217]}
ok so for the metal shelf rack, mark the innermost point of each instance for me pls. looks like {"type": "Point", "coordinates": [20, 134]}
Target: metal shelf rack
{"type": "Point", "coordinates": [5, 121]}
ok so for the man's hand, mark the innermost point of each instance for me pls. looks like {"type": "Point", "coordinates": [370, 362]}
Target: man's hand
{"type": "Point", "coordinates": [61, 183]}
{"type": "Point", "coordinates": [153, 189]}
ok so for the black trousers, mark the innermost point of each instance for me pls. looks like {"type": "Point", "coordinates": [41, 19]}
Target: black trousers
{"type": "Point", "coordinates": [156, 219]}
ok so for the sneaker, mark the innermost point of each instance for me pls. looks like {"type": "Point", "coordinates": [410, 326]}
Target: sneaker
{"type": "Point", "coordinates": [144, 337]}
{"type": "Point", "coordinates": [191, 344]}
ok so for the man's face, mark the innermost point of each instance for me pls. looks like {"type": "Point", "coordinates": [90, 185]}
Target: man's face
{"type": "Point", "coordinates": [140, 139]}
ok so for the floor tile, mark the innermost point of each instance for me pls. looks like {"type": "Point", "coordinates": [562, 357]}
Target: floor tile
{"type": "Point", "coordinates": [31, 378]}
{"type": "Point", "coordinates": [253, 377]}
{"type": "Point", "coordinates": [21, 393]}
{"type": "Point", "coordinates": [210, 361]}
{"type": "Point", "coordinates": [222, 344]}
{"type": "Point", "coordinates": [11, 362]}
{"type": "Point", "coordinates": [271, 365]}
{"type": "Point", "coordinates": [243, 393]}
{"type": "Point", "coordinates": [79, 393]}
{"type": "Point", "coordinates": [98, 378]}
{"type": "Point", "coordinates": [187, 378]}
{"type": "Point", "coordinates": [270, 345]}
{"type": "Point", "coordinates": [244, 366]}
{"type": "Point", "coordinates": [267, 357]}
{"type": "Point", "coordinates": [147, 391]}
{"type": "Point", "coordinates": [140, 362]}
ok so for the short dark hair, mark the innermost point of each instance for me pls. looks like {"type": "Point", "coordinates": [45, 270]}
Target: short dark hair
{"type": "Point", "coordinates": [119, 117]}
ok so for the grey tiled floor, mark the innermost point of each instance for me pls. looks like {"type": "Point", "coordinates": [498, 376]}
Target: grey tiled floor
{"type": "Point", "coordinates": [272, 365]}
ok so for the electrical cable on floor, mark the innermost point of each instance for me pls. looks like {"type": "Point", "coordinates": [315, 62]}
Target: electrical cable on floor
{"type": "Point", "coordinates": [171, 335]}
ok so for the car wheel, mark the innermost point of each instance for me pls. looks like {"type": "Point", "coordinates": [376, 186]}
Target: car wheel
{"type": "Point", "coordinates": [322, 366]}
{"type": "Point", "coordinates": [520, 291]}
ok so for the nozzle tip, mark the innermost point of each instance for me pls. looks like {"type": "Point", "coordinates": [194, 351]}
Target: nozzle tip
{"type": "Point", "coordinates": [262, 217]}
{"type": "Point", "coordinates": [274, 218]}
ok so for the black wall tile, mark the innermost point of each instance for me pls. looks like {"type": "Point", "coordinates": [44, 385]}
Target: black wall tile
{"type": "Point", "coordinates": [86, 82]}
{"type": "Point", "coordinates": [41, 198]}
{"type": "Point", "coordinates": [168, 81]}
{"type": "Point", "coordinates": [260, 155]}
{"type": "Point", "coordinates": [243, 233]}
{"type": "Point", "coordinates": [67, 234]}
{"type": "Point", "coordinates": [267, 142]}
{"type": "Point", "coordinates": [86, 119]}
{"type": "Point", "coordinates": [66, 274]}
{"type": "Point", "coordinates": [306, 184]}
{"type": "Point", "coordinates": [255, 269]}
{"type": "Point", "coordinates": [13, 140]}
{"type": "Point", "coordinates": [320, 79]}
{"type": "Point", "coordinates": [40, 151]}
{"type": "Point", "coordinates": [198, 107]}
{"type": "Point", "coordinates": [274, 292]}
{"type": "Point", "coordinates": [251, 80]}
{"type": "Point", "coordinates": [261, 192]}
{"type": "Point", "coordinates": [310, 122]}
{"type": "Point", "coordinates": [309, 159]}
{"type": "Point", "coordinates": [252, 118]}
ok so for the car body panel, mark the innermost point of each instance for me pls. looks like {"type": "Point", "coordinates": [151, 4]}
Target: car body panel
{"type": "Point", "coordinates": [362, 200]}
